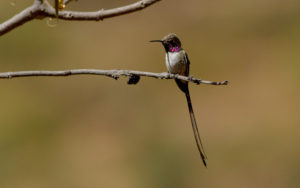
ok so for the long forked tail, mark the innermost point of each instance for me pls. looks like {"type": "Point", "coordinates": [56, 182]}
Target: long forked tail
{"type": "Point", "coordinates": [195, 128]}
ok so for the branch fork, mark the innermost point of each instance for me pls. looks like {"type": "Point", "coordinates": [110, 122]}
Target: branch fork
{"type": "Point", "coordinates": [42, 8]}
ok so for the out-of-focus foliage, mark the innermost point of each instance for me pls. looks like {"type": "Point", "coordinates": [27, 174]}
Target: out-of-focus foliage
{"type": "Point", "coordinates": [89, 131]}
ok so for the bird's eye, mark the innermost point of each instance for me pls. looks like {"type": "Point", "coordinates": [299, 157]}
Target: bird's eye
{"type": "Point", "coordinates": [173, 42]}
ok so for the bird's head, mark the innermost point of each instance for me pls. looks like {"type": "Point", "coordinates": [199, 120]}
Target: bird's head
{"type": "Point", "coordinates": [171, 42]}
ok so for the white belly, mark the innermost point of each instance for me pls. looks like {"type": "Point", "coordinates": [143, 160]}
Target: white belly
{"type": "Point", "coordinates": [175, 62]}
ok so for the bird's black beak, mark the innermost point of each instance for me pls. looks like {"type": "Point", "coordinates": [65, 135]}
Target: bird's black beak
{"type": "Point", "coordinates": [155, 41]}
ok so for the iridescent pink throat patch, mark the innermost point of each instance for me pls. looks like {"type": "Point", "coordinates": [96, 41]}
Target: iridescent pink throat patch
{"type": "Point", "coordinates": [174, 49]}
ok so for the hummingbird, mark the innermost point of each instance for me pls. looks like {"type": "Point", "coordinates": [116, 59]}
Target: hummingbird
{"type": "Point", "coordinates": [177, 62]}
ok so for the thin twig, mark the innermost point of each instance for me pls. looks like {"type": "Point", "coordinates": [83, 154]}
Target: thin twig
{"type": "Point", "coordinates": [41, 9]}
{"type": "Point", "coordinates": [134, 76]}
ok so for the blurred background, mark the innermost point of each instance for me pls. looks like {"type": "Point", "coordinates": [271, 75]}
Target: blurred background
{"type": "Point", "coordinates": [93, 131]}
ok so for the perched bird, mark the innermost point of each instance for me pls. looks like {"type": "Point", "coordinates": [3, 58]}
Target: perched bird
{"type": "Point", "coordinates": [178, 63]}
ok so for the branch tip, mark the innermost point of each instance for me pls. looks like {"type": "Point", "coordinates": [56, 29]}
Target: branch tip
{"type": "Point", "coordinates": [226, 82]}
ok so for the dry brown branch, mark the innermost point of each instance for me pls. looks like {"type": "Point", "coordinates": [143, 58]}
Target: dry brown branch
{"type": "Point", "coordinates": [41, 9]}
{"type": "Point", "coordinates": [134, 76]}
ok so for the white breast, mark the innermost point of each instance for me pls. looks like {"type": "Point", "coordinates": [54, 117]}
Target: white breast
{"type": "Point", "coordinates": [175, 62]}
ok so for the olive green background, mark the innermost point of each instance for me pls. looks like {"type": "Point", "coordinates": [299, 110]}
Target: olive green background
{"type": "Point", "coordinates": [92, 131]}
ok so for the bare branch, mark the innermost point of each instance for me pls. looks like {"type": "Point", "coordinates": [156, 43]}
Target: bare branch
{"type": "Point", "coordinates": [21, 18]}
{"type": "Point", "coordinates": [42, 10]}
{"type": "Point", "coordinates": [134, 76]}
{"type": "Point", "coordinates": [100, 14]}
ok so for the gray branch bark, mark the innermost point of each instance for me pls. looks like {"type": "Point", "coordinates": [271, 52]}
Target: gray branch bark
{"type": "Point", "coordinates": [134, 76]}
{"type": "Point", "coordinates": [41, 9]}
